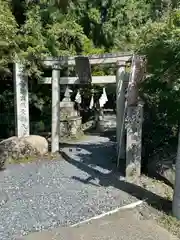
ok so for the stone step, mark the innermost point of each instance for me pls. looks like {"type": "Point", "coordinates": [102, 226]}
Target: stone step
{"type": "Point", "coordinates": [120, 226]}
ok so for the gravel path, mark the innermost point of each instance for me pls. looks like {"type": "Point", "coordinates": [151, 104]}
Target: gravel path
{"type": "Point", "coordinates": [44, 195]}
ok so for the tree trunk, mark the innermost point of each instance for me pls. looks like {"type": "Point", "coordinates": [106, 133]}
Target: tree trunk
{"type": "Point", "coordinates": [176, 197]}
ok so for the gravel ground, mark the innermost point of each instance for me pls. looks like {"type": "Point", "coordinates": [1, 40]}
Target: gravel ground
{"type": "Point", "coordinates": [43, 195]}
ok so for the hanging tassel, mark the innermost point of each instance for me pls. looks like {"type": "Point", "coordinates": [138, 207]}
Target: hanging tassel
{"type": "Point", "coordinates": [78, 98]}
{"type": "Point", "coordinates": [103, 99]}
{"type": "Point", "coordinates": [91, 102]}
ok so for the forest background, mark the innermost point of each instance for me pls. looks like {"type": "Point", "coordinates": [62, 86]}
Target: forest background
{"type": "Point", "coordinates": [30, 30]}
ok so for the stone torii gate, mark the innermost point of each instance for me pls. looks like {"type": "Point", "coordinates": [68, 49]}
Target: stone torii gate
{"type": "Point", "coordinates": [129, 111]}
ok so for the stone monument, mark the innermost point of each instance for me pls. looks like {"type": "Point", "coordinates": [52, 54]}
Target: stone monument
{"type": "Point", "coordinates": [21, 101]}
{"type": "Point", "coordinates": [70, 121]}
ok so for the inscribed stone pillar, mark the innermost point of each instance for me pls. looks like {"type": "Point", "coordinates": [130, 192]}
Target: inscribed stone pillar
{"type": "Point", "coordinates": [55, 109]}
{"type": "Point", "coordinates": [120, 104]}
{"type": "Point", "coordinates": [176, 195]}
{"type": "Point", "coordinates": [134, 121]}
{"type": "Point", "coordinates": [21, 101]}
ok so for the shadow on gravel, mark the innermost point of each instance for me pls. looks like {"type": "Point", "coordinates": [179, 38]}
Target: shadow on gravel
{"type": "Point", "coordinates": [88, 164]}
{"type": "Point", "coordinates": [102, 154]}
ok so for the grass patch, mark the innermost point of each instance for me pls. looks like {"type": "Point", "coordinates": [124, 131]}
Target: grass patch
{"type": "Point", "coordinates": [30, 159]}
{"type": "Point", "coordinates": [21, 160]}
{"type": "Point", "coordinates": [170, 223]}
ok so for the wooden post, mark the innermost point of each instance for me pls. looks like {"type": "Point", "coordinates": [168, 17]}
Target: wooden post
{"type": "Point", "coordinates": [21, 101]}
{"type": "Point", "coordinates": [55, 109]}
{"type": "Point", "coordinates": [120, 104]}
{"type": "Point", "coordinates": [133, 140]}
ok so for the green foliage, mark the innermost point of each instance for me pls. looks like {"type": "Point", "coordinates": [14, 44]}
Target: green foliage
{"type": "Point", "coordinates": [159, 42]}
{"type": "Point", "coordinates": [65, 38]}
{"type": "Point", "coordinates": [60, 27]}
{"type": "Point", "coordinates": [112, 23]}
{"type": "Point", "coordinates": [8, 31]}
{"type": "Point", "coordinates": [31, 40]}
